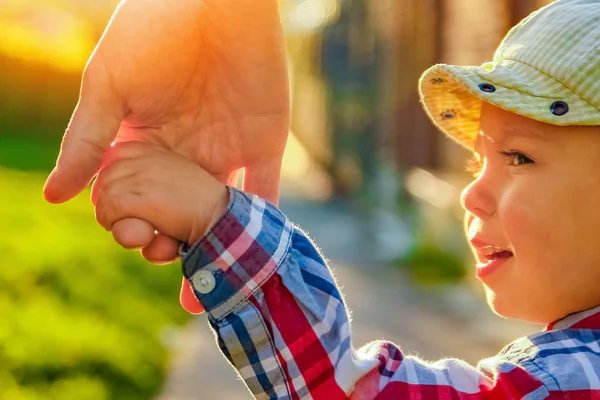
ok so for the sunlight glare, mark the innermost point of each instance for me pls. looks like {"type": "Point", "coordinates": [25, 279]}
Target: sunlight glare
{"type": "Point", "coordinates": [46, 35]}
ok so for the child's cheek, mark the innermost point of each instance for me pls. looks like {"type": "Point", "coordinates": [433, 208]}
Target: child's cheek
{"type": "Point", "coordinates": [523, 223]}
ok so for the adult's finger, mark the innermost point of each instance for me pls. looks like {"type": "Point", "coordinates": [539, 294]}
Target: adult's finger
{"type": "Point", "coordinates": [263, 179]}
{"type": "Point", "coordinates": [93, 127]}
{"type": "Point", "coordinates": [188, 301]}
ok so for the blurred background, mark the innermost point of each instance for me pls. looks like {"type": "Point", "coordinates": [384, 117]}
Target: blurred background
{"type": "Point", "coordinates": [365, 173]}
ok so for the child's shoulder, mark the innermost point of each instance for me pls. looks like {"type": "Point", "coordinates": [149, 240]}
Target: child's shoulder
{"type": "Point", "coordinates": [567, 359]}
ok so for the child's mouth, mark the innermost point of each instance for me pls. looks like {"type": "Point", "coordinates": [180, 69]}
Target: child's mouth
{"type": "Point", "coordinates": [493, 254]}
{"type": "Point", "coordinates": [490, 258]}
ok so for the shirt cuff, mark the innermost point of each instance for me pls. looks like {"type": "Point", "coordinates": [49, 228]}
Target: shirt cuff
{"type": "Point", "coordinates": [240, 252]}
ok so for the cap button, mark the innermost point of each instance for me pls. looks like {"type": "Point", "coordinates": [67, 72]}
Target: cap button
{"type": "Point", "coordinates": [559, 108]}
{"type": "Point", "coordinates": [487, 87]}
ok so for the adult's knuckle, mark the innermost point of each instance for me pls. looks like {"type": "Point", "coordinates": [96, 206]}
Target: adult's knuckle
{"type": "Point", "coordinates": [125, 150]}
{"type": "Point", "coordinates": [93, 146]}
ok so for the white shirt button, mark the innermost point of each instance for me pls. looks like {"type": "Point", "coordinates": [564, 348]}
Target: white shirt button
{"type": "Point", "coordinates": [204, 281]}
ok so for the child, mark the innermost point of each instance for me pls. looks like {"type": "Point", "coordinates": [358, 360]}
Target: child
{"type": "Point", "coordinates": [532, 214]}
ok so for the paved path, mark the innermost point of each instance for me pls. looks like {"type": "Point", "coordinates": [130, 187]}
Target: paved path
{"type": "Point", "coordinates": [384, 304]}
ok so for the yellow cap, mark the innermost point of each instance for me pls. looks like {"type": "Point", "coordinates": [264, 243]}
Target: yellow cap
{"type": "Point", "coordinates": [547, 68]}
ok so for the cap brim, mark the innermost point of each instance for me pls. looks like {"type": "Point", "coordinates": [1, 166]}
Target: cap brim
{"type": "Point", "coordinates": [452, 97]}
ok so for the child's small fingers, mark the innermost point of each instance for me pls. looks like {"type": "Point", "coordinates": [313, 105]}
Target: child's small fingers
{"type": "Point", "coordinates": [122, 200]}
{"type": "Point", "coordinates": [162, 250]}
{"type": "Point", "coordinates": [133, 233]}
{"type": "Point", "coordinates": [188, 301]}
{"type": "Point", "coordinates": [112, 173]}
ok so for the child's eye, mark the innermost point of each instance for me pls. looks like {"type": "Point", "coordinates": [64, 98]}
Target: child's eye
{"type": "Point", "coordinates": [474, 166]}
{"type": "Point", "coordinates": [516, 158]}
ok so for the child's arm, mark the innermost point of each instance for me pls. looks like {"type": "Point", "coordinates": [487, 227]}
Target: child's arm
{"type": "Point", "coordinates": [282, 323]}
{"type": "Point", "coordinates": [273, 302]}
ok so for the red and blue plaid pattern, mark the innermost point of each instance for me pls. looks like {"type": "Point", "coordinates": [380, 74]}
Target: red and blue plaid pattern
{"type": "Point", "coordinates": [282, 323]}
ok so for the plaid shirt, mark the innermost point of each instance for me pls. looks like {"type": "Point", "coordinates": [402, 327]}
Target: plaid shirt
{"type": "Point", "coordinates": [282, 323]}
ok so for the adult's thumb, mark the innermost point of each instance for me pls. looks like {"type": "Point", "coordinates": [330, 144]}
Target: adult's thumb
{"type": "Point", "coordinates": [93, 127]}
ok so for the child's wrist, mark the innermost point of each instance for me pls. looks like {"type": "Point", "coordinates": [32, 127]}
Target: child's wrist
{"type": "Point", "coordinates": [210, 218]}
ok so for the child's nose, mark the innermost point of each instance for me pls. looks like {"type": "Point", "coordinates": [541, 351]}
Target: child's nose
{"type": "Point", "coordinates": [477, 199]}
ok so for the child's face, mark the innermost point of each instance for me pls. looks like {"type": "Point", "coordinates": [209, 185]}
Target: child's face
{"type": "Point", "coordinates": [537, 197]}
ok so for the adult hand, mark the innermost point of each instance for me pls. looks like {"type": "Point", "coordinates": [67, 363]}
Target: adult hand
{"type": "Point", "coordinates": [204, 78]}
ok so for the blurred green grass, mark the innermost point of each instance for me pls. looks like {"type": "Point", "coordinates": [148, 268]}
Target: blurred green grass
{"type": "Point", "coordinates": [80, 318]}
{"type": "Point", "coordinates": [28, 153]}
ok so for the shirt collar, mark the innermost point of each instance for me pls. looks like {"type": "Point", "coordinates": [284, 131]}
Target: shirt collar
{"type": "Point", "coordinates": [589, 319]}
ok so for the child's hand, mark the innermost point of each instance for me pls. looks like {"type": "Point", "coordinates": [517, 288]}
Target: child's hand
{"type": "Point", "coordinates": [176, 196]}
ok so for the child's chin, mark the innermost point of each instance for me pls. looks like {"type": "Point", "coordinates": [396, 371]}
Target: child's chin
{"type": "Point", "coordinates": [494, 303]}
{"type": "Point", "coordinates": [506, 306]}
{"type": "Point", "coordinates": [519, 309]}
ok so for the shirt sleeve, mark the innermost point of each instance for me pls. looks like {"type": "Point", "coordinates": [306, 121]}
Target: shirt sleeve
{"type": "Point", "coordinates": [281, 321]}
